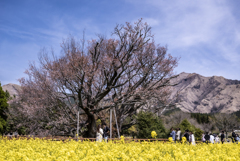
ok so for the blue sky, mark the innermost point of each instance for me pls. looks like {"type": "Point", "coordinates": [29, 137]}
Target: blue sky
{"type": "Point", "coordinates": [204, 33]}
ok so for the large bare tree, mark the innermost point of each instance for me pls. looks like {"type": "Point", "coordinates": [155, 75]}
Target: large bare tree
{"type": "Point", "coordinates": [125, 71]}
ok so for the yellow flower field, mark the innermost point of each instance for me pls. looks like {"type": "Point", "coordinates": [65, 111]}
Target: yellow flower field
{"type": "Point", "coordinates": [56, 150]}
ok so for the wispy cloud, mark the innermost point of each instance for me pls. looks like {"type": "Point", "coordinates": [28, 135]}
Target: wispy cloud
{"type": "Point", "coordinates": [204, 33]}
{"type": "Point", "coordinates": [199, 31]}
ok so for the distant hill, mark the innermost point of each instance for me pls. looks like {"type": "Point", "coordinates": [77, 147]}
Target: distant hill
{"type": "Point", "coordinates": [199, 94]}
{"type": "Point", "coordinates": [196, 93]}
{"type": "Point", "coordinates": [12, 89]}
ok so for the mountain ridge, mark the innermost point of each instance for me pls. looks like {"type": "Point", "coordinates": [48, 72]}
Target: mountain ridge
{"type": "Point", "coordinates": [198, 94]}
{"type": "Point", "coordinates": [13, 89]}
{"type": "Point", "coordinates": [193, 93]}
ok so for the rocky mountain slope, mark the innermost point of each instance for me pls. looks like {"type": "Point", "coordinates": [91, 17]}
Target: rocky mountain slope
{"type": "Point", "coordinates": [196, 93]}
{"type": "Point", "coordinates": [12, 89]}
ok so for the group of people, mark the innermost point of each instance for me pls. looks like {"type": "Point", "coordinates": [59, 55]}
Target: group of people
{"type": "Point", "coordinates": [102, 133]}
{"type": "Point", "coordinates": [235, 137]}
{"type": "Point", "coordinates": [176, 136]}
{"type": "Point", "coordinates": [214, 138]}
{"type": "Point", "coordinates": [12, 134]}
{"type": "Point", "coordinates": [206, 137]}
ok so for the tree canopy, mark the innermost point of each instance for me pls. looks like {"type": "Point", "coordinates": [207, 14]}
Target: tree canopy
{"type": "Point", "coordinates": [125, 72]}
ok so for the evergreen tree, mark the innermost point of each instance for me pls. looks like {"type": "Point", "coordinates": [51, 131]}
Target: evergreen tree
{"type": "Point", "coordinates": [148, 122]}
{"type": "Point", "coordinates": [207, 120]}
{"type": "Point", "coordinates": [201, 118]}
{"type": "Point", "coordinates": [3, 107]}
{"type": "Point", "coordinates": [185, 125]}
{"type": "Point", "coordinates": [198, 134]}
{"type": "Point", "coordinates": [7, 94]}
{"type": "Point", "coordinates": [198, 119]}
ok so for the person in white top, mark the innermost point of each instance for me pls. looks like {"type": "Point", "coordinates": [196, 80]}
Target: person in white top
{"type": "Point", "coordinates": [217, 140]}
{"type": "Point", "coordinates": [211, 138]}
{"type": "Point", "coordinates": [99, 133]}
{"type": "Point", "coordinates": [203, 138]}
{"type": "Point", "coordinates": [192, 138]}
{"type": "Point", "coordinates": [178, 134]}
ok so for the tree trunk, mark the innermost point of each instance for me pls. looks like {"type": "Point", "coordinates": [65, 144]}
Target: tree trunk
{"type": "Point", "coordinates": [91, 126]}
{"type": "Point", "coordinates": [120, 122]}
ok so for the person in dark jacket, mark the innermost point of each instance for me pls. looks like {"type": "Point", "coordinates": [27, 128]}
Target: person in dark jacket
{"type": "Point", "coordinates": [186, 135]}
{"type": "Point", "coordinates": [207, 137]}
{"type": "Point", "coordinates": [105, 132]}
{"type": "Point", "coordinates": [222, 137]}
{"type": "Point", "coordinates": [233, 136]}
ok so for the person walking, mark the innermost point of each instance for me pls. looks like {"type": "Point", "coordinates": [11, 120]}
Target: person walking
{"type": "Point", "coordinates": [207, 137]}
{"type": "Point", "coordinates": [217, 140]}
{"type": "Point", "coordinates": [186, 135]}
{"type": "Point", "coordinates": [105, 132]}
{"type": "Point", "coordinates": [233, 136]}
{"type": "Point", "coordinates": [192, 138]}
{"type": "Point", "coordinates": [178, 134]}
{"type": "Point", "coordinates": [173, 134]}
{"type": "Point", "coordinates": [99, 133]}
{"type": "Point", "coordinates": [222, 137]}
{"type": "Point", "coordinates": [211, 138]}
{"type": "Point", "coordinates": [203, 138]}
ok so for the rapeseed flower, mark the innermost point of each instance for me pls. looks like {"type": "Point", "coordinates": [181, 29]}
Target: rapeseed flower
{"type": "Point", "coordinates": [154, 134]}
{"type": "Point", "coordinates": [40, 149]}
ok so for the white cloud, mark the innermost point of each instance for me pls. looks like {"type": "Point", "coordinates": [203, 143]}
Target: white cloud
{"type": "Point", "coordinates": [204, 33]}
{"type": "Point", "coordinates": [186, 22]}
{"type": "Point", "coordinates": [201, 31]}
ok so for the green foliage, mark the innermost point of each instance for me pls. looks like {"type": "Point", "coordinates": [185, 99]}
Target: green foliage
{"type": "Point", "coordinates": [3, 103]}
{"type": "Point", "coordinates": [198, 134]}
{"type": "Point", "coordinates": [48, 127]}
{"type": "Point", "coordinates": [3, 107]}
{"type": "Point", "coordinates": [237, 113]}
{"type": "Point", "coordinates": [201, 117]}
{"type": "Point", "coordinates": [185, 125]}
{"type": "Point", "coordinates": [132, 129]}
{"type": "Point", "coordinates": [2, 125]}
{"type": "Point", "coordinates": [7, 94]}
{"type": "Point", "coordinates": [22, 131]}
{"type": "Point", "coordinates": [129, 131]}
{"type": "Point", "coordinates": [98, 122]}
{"type": "Point", "coordinates": [148, 122]}
{"type": "Point", "coordinates": [169, 112]}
